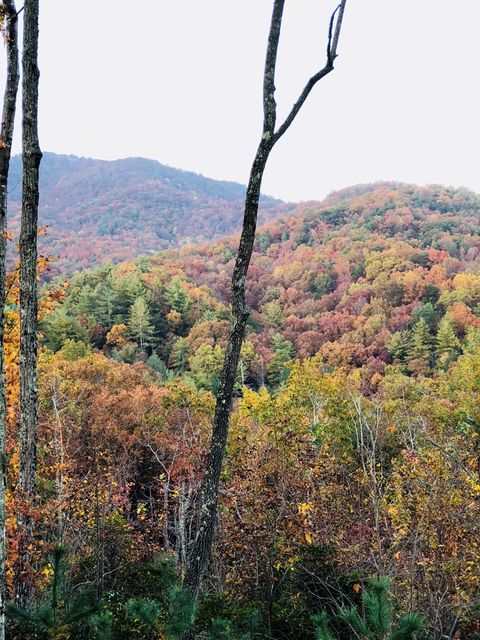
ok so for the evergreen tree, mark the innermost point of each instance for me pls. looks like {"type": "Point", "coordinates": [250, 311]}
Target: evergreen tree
{"type": "Point", "coordinates": [273, 313]}
{"type": "Point", "coordinates": [447, 343]}
{"type": "Point", "coordinates": [59, 615]}
{"type": "Point", "coordinates": [179, 355]}
{"type": "Point", "coordinates": [283, 351]}
{"type": "Point", "coordinates": [105, 302]}
{"type": "Point", "coordinates": [323, 284]}
{"type": "Point", "coordinates": [128, 353]}
{"type": "Point", "coordinates": [472, 340]}
{"type": "Point", "coordinates": [374, 619]}
{"type": "Point", "coordinates": [322, 628]}
{"type": "Point", "coordinates": [139, 323]}
{"type": "Point", "coordinates": [421, 342]}
{"type": "Point", "coordinates": [181, 613]}
{"type": "Point", "coordinates": [220, 630]}
{"type": "Point", "coordinates": [427, 312]}
{"type": "Point", "coordinates": [176, 296]}
{"type": "Point", "coordinates": [399, 345]}
{"type": "Point", "coordinates": [157, 364]}
{"type": "Point", "coordinates": [60, 327]}
{"type": "Point", "coordinates": [86, 304]}
{"type": "Point", "coordinates": [127, 288]}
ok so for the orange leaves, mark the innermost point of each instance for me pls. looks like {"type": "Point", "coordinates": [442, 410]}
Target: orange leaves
{"type": "Point", "coordinates": [118, 335]}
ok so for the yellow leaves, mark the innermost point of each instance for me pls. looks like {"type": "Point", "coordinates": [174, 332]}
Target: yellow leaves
{"type": "Point", "coordinates": [392, 510]}
{"type": "Point", "coordinates": [308, 538]}
{"type": "Point", "coordinates": [174, 317]}
{"type": "Point", "coordinates": [304, 508]}
{"type": "Point", "coordinates": [357, 587]}
{"type": "Point", "coordinates": [470, 565]}
{"type": "Point", "coordinates": [289, 564]}
{"type": "Point", "coordinates": [476, 486]}
{"type": "Point", "coordinates": [118, 335]}
{"type": "Point", "coordinates": [47, 571]}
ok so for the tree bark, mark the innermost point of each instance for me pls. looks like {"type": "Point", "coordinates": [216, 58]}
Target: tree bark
{"type": "Point", "coordinates": [200, 554]}
{"type": "Point", "coordinates": [6, 136]}
{"type": "Point", "coordinates": [28, 295]}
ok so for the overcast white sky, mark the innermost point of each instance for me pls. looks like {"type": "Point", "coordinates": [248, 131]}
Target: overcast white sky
{"type": "Point", "coordinates": [180, 81]}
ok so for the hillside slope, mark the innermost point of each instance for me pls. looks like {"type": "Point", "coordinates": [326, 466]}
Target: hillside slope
{"type": "Point", "coordinates": [366, 281]}
{"type": "Point", "coordinates": [361, 459]}
{"type": "Point", "coordinates": [100, 211]}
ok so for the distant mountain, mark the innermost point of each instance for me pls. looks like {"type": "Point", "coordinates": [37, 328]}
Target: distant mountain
{"type": "Point", "coordinates": [99, 211]}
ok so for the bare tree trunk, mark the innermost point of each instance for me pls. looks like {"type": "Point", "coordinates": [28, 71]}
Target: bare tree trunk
{"type": "Point", "coordinates": [200, 554]}
{"type": "Point", "coordinates": [8, 22]}
{"type": "Point", "coordinates": [28, 294]}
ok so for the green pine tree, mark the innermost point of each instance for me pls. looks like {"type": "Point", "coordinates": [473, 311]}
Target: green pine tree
{"type": "Point", "coordinates": [399, 345]}
{"type": "Point", "coordinates": [421, 342]}
{"type": "Point", "coordinates": [179, 355]}
{"type": "Point", "coordinates": [283, 352]}
{"type": "Point", "coordinates": [322, 627]}
{"type": "Point", "coordinates": [447, 343]}
{"type": "Point", "coordinates": [374, 619]}
{"type": "Point", "coordinates": [58, 617]}
{"type": "Point", "coordinates": [106, 301]}
{"type": "Point", "coordinates": [127, 289]}
{"type": "Point", "coordinates": [273, 313]}
{"type": "Point", "coordinates": [86, 303]}
{"type": "Point", "coordinates": [60, 327]}
{"type": "Point", "coordinates": [176, 296]}
{"type": "Point", "coordinates": [139, 323]}
{"type": "Point", "coordinates": [158, 365]}
{"type": "Point", "coordinates": [472, 340]}
{"type": "Point", "coordinates": [428, 312]}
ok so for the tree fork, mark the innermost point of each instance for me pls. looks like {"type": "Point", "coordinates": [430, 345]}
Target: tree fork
{"type": "Point", "coordinates": [32, 156]}
{"type": "Point", "coordinates": [201, 551]}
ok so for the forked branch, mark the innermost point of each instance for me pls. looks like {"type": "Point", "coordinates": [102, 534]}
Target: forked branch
{"type": "Point", "coordinates": [334, 29]}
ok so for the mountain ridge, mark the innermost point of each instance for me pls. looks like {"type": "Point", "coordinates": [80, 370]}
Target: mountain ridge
{"type": "Point", "coordinates": [113, 210]}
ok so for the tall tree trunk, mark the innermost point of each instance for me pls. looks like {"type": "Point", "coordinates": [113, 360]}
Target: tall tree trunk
{"type": "Point", "coordinates": [200, 554]}
{"type": "Point", "coordinates": [8, 19]}
{"type": "Point", "coordinates": [28, 294]}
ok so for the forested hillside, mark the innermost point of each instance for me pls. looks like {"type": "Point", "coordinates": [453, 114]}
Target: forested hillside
{"type": "Point", "coordinates": [364, 281]}
{"type": "Point", "coordinates": [224, 416]}
{"type": "Point", "coordinates": [354, 449]}
{"type": "Point", "coordinates": [97, 211]}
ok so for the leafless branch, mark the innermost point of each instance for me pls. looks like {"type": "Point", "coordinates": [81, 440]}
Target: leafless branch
{"type": "Point", "coordinates": [331, 55]}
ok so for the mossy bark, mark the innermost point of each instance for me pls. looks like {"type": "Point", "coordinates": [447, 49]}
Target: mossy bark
{"type": "Point", "coordinates": [28, 296]}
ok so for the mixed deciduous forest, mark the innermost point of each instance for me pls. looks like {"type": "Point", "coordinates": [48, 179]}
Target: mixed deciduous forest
{"type": "Point", "coordinates": [94, 211]}
{"type": "Point", "coordinates": [267, 436]}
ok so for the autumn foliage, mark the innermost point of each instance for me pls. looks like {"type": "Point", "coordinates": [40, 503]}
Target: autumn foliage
{"type": "Point", "coordinates": [354, 449]}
